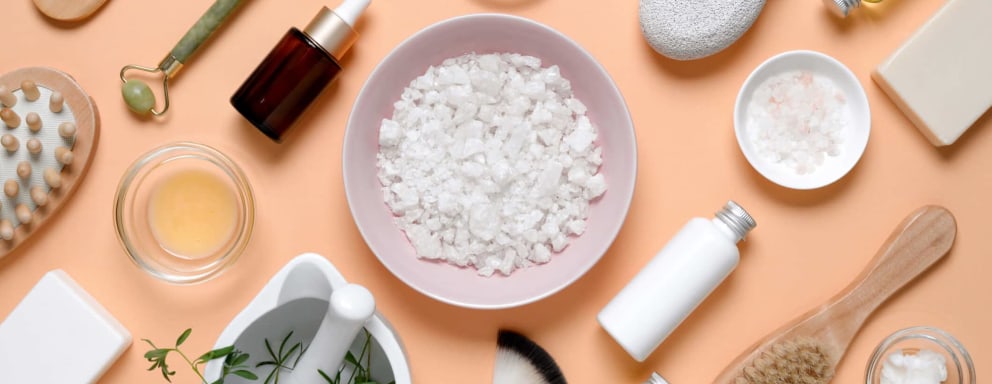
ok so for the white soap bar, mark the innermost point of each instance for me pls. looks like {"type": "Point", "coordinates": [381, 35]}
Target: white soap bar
{"type": "Point", "coordinates": [941, 78]}
{"type": "Point", "coordinates": [59, 334]}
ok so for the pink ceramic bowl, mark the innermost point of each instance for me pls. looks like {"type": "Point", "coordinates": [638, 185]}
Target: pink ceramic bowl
{"type": "Point", "coordinates": [486, 33]}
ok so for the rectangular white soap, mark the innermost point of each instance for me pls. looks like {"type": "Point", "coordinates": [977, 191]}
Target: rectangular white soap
{"type": "Point", "coordinates": [941, 78]}
{"type": "Point", "coordinates": [59, 334]}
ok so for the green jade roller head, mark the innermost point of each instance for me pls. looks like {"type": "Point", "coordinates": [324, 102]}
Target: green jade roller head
{"type": "Point", "coordinates": [138, 95]}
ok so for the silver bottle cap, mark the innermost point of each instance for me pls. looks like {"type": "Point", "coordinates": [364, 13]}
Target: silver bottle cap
{"type": "Point", "coordinates": [656, 379]}
{"type": "Point", "coordinates": [841, 7]}
{"type": "Point", "coordinates": [737, 219]}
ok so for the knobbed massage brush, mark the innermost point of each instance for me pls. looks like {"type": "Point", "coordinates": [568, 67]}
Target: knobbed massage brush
{"type": "Point", "coordinates": [138, 95]}
{"type": "Point", "coordinates": [809, 349]}
{"type": "Point", "coordinates": [49, 130]}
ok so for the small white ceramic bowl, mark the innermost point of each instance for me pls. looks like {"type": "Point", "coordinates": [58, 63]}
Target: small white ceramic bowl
{"type": "Point", "coordinates": [486, 33]}
{"type": "Point", "coordinates": [855, 133]}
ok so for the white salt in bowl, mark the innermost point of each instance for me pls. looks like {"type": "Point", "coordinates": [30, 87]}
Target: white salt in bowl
{"type": "Point", "coordinates": [488, 33]}
{"type": "Point", "coordinates": [855, 134]}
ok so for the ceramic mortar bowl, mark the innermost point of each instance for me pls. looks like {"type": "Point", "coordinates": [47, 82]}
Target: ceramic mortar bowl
{"type": "Point", "coordinates": [295, 300]}
{"type": "Point", "coordinates": [960, 368]}
{"type": "Point", "coordinates": [481, 34]}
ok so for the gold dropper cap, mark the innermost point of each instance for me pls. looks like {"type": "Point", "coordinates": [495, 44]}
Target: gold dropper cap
{"type": "Point", "coordinates": [332, 32]}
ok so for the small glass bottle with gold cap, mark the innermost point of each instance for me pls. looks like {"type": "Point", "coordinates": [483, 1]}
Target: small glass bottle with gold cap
{"type": "Point", "coordinates": [843, 7]}
{"type": "Point", "coordinates": [298, 69]}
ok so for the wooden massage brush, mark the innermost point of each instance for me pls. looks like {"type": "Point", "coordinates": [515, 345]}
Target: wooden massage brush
{"type": "Point", "coordinates": [48, 133]}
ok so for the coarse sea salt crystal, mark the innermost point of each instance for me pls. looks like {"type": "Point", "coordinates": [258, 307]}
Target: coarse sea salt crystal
{"type": "Point", "coordinates": [490, 162]}
{"type": "Point", "coordinates": [797, 119]}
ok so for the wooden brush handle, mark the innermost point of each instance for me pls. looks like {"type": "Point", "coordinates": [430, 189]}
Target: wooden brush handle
{"type": "Point", "coordinates": [923, 238]}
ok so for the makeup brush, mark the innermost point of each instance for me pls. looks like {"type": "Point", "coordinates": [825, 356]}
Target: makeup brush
{"type": "Point", "coordinates": [808, 349]}
{"type": "Point", "coordinates": [521, 361]}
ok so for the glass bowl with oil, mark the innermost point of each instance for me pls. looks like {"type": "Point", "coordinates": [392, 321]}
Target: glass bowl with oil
{"type": "Point", "coordinates": [184, 212]}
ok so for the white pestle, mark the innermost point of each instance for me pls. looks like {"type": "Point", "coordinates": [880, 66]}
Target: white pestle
{"type": "Point", "coordinates": [347, 311]}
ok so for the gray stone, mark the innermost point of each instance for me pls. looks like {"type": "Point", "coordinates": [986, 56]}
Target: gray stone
{"type": "Point", "coordinates": [693, 29]}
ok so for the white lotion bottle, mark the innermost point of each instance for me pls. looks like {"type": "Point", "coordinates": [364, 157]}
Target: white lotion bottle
{"type": "Point", "coordinates": [700, 256]}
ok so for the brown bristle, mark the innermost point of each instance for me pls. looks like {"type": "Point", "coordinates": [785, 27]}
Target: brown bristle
{"type": "Point", "coordinates": [797, 361]}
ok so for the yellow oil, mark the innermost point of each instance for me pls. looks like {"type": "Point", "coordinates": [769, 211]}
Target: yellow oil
{"type": "Point", "coordinates": [192, 213]}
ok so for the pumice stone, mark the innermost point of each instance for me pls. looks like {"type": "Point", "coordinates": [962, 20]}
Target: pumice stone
{"type": "Point", "coordinates": [694, 29]}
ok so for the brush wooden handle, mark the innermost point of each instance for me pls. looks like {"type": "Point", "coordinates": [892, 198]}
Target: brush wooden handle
{"type": "Point", "coordinates": [923, 238]}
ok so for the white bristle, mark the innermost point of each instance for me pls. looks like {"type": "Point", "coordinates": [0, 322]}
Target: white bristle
{"type": "Point", "coordinates": [511, 368]}
{"type": "Point", "coordinates": [520, 360]}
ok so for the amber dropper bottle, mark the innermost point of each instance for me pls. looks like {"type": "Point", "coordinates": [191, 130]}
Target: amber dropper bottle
{"type": "Point", "coordinates": [298, 69]}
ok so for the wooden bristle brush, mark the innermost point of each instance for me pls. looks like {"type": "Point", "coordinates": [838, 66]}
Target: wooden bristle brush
{"type": "Point", "coordinates": [809, 349]}
{"type": "Point", "coordinates": [521, 361]}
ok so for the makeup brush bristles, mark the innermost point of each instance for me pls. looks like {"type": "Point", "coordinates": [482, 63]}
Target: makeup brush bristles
{"type": "Point", "coordinates": [521, 361]}
{"type": "Point", "coordinates": [799, 361]}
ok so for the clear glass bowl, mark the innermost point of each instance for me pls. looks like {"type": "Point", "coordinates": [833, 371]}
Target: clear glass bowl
{"type": "Point", "coordinates": [131, 212]}
{"type": "Point", "coordinates": [960, 368]}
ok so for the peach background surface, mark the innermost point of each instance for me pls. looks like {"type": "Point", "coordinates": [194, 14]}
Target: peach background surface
{"type": "Point", "coordinates": [808, 245]}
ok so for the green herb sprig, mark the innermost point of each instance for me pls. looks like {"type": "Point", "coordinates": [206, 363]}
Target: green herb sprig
{"type": "Point", "coordinates": [279, 360]}
{"type": "Point", "coordinates": [362, 370]}
{"type": "Point", "coordinates": [280, 357]}
{"type": "Point", "coordinates": [234, 360]}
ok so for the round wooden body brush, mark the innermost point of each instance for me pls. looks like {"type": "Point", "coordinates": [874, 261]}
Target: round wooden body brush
{"type": "Point", "coordinates": [808, 349]}
{"type": "Point", "coordinates": [68, 10]}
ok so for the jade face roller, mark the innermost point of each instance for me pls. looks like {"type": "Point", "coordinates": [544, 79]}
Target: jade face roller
{"type": "Point", "coordinates": [138, 95]}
